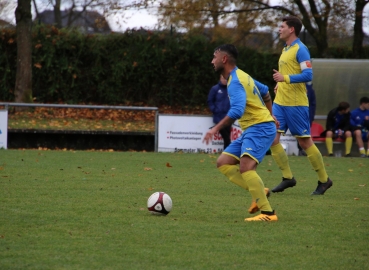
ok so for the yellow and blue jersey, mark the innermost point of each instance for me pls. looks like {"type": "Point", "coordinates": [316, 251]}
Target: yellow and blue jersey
{"type": "Point", "coordinates": [295, 65]}
{"type": "Point", "coordinates": [245, 95]}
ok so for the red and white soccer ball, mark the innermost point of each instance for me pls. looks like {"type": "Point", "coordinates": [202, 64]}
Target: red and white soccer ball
{"type": "Point", "coordinates": [159, 203]}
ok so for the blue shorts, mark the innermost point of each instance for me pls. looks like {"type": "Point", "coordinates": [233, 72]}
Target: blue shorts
{"type": "Point", "coordinates": [294, 118]}
{"type": "Point", "coordinates": [255, 141]}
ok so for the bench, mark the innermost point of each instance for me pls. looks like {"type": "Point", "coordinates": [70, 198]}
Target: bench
{"type": "Point", "coordinates": [317, 129]}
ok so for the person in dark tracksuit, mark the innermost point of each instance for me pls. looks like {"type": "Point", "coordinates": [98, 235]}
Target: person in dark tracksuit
{"type": "Point", "coordinates": [218, 102]}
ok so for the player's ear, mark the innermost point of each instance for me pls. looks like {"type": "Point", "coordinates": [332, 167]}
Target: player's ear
{"type": "Point", "coordinates": [224, 58]}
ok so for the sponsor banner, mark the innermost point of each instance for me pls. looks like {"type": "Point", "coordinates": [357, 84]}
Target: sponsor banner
{"type": "Point", "coordinates": [3, 129]}
{"type": "Point", "coordinates": [185, 133]}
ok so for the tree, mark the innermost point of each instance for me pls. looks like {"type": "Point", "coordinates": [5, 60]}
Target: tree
{"type": "Point", "coordinates": [23, 82]}
{"type": "Point", "coordinates": [68, 13]}
{"type": "Point", "coordinates": [318, 16]}
{"type": "Point", "coordinates": [211, 17]}
{"type": "Point", "coordinates": [357, 44]}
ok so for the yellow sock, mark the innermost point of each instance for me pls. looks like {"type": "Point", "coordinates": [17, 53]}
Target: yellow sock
{"type": "Point", "coordinates": [316, 160]}
{"type": "Point", "coordinates": [362, 151]}
{"type": "Point", "coordinates": [348, 145]}
{"type": "Point", "coordinates": [234, 175]}
{"type": "Point", "coordinates": [329, 144]}
{"type": "Point", "coordinates": [256, 188]}
{"type": "Point", "coordinates": [367, 152]}
{"type": "Point", "coordinates": [281, 158]}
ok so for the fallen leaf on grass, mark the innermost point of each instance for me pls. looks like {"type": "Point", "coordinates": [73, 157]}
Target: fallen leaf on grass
{"type": "Point", "coordinates": [356, 199]}
{"type": "Point", "coordinates": [168, 164]}
{"type": "Point", "coordinates": [362, 185]}
{"type": "Point", "coordinates": [350, 170]}
{"type": "Point", "coordinates": [147, 169]}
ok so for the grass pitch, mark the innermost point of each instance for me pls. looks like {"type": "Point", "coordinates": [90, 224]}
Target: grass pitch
{"type": "Point", "coordinates": [87, 210]}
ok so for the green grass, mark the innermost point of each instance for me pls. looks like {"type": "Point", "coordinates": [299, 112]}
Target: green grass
{"type": "Point", "coordinates": [87, 210]}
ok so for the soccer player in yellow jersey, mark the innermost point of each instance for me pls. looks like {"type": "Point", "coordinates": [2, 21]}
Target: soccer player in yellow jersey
{"type": "Point", "coordinates": [291, 106]}
{"type": "Point", "coordinates": [251, 104]}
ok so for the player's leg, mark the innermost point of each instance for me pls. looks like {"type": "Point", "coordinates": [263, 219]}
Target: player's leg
{"type": "Point", "coordinates": [300, 127]}
{"type": "Point", "coordinates": [348, 143]}
{"type": "Point", "coordinates": [329, 142]}
{"type": "Point", "coordinates": [257, 191]}
{"type": "Point", "coordinates": [228, 161]}
{"type": "Point", "coordinates": [316, 160]}
{"type": "Point", "coordinates": [366, 139]}
{"type": "Point", "coordinates": [256, 142]}
{"type": "Point", "coordinates": [359, 141]}
{"type": "Point", "coordinates": [279, 155]}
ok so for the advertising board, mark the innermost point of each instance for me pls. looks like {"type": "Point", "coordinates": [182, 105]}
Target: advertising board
{"type": "Point", "coordinates": [4, 129]}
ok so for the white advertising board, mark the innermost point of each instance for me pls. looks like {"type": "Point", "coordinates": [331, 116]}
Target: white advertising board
{"type": "Point", "coordinates": [290, 143]}
{"type": "Point", "coordinates": [185, 133]}
{"type": "Point", "coordinates": [3, 129]}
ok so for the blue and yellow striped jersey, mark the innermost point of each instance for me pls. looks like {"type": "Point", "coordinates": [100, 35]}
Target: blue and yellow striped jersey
{"type": "Point", "coordinates": [245, 95]}
{"type": "Point", "coordinates": [295, 66]}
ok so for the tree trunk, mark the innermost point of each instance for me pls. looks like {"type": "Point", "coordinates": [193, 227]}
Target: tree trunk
{"type": "Point", "coordinates": [357, 44]}
{"type": "Point", "coordinates": [23, 81]}
{"type": "Point", "coordinates": [57, 15]}
{"type": "Point", "coordinates": [322, 45]}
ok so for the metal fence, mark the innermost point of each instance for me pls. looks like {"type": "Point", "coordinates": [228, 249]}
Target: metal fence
{"type": "Point", "coordinates": [103, 107]}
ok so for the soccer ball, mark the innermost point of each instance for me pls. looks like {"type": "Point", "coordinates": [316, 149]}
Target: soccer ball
{"type": "Point", "coordinates": [159, 203]}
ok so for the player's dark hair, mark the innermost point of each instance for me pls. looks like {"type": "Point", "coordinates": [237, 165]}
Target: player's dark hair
{"type": "Point", "coordinates": [293, 21]}
{"type": "Point", "coordinates": [343, 106]}
{"type": "Point", "coordinates": [364, 100]}
{"type": "Point", "coordinates": [229, 49]}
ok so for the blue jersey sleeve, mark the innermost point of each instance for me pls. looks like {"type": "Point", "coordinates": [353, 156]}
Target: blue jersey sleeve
{"type": "Point", "coordinates": [237, 98]}
{"type": "Point", "coordinates": [263, 89]}
{"type": "Point", "coordinates": [306, 75]}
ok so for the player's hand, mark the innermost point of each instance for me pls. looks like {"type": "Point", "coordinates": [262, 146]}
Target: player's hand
{"type": "Point", "coordinates": [277, 76]}
{"type": "Point", "coordinates": [208, 136]}
{"type": "Point", "coordinates": [276, 88]}
{"type": "Point", "coordinates": [276, 121]}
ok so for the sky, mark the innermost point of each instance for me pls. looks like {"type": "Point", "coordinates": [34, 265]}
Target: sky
{"type": "Point", "coordinates": [143, 19]}
{"type": "Point", "coordinates": [138, 19]}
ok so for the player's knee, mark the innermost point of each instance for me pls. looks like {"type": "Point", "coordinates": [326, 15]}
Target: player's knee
{"type": "Point", "coordinates": [221, 161]}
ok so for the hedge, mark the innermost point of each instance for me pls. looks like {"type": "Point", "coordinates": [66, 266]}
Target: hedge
{"type": "Point", "coordinates": [135, 67]}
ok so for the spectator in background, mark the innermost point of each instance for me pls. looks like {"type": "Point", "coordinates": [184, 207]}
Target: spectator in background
{"type": "Point", "coordinates": [312, 108]}
{"type": "Point", "coordinates": [360, 124]}
{"type": "Point", "coordinates": [338, 126]}
{"type": "Point", "coordinates": [218, 102]}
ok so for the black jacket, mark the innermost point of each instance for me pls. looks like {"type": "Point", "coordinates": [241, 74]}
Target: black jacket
{"type": "Point", "coordinates": [336, 121]}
